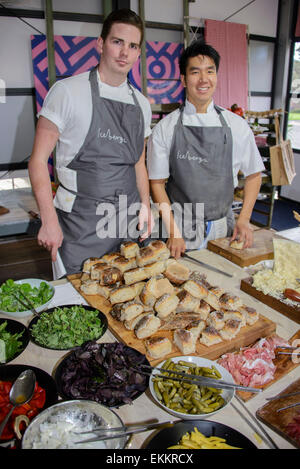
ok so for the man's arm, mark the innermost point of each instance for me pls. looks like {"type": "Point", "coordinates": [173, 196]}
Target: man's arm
{"type": "Point", "coordinates": [50, 235]}
{"type": "Point", "coordinates": [175, 243]}
{"type": "Point", "coordinates": [242, 229]}
{"type": "Point", "coordinates": [142, 181]}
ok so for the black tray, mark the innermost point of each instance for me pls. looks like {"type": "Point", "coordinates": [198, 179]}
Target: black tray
{"type": "Point", "coordinates": [15, 327]}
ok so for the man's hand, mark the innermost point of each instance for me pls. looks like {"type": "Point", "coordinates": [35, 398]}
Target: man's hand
{"type": "Point", "coordinates": [145, 218]}
{"type": "Point", "coordinates": [243, 232]}
{"type": "Point", "coordinates": [50, 237]}
{"type": "Point", "coordinates": [177, 247]}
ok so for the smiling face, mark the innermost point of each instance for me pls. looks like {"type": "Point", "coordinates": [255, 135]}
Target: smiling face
{"type": "Point", "coordinates": [119, 52]}
{"type": "Point", "coordinates": [200, 81]}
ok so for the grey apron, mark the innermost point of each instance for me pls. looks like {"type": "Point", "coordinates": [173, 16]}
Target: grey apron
{"type": "Point", "coordinates": [105, 167]}
{"type": "Point", "coordinates": [200, 173]}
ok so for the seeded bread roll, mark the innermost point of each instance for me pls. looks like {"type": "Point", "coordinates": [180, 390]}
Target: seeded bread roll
{"type": "Point", "coordinates": [235, 315]}
{"type": "Point", "coordinates": [147, 297]}
{"type": "Point", "coordinates": [155, 268]}
{"type": "Point", "coordinates": [204, 310]}
{"type": "Point", "coordinates": [134, 275]}
{"type": "Point", "coordinates": [105, 290]}
{"type": "Point", "coordinates": [177, 273]}
{"type": "Point", "coordinates": [90, 287]}
{"type": "Point", "coordinates": [196, 289]}
{"type": "Point", "coordinates": [110, 257]}
{"type": "Point", "coordinates": [129, 249]}
{"type": "Point", "coordinates": [123, 264]}
{"type": "Point", "coordinates": [187, 302]}
{"type": "Point", "coordinates": [231, 302]}
{"type": "Point", "coordinates": [178, 321]}
{"type": "Point", "coordinates": [250, 313]}
{"type": "Point", "coordinates": [230, 330]}
{"type": "Point", "coordinates": [147, 326]}
{"type": "Point", "coordinates": [116, 311]}
{"type": "Point", "coordinates": [97, 268]}
{"type": "Point", "coordinates": [162, 287]}
{"type": "Point", "coordinates": [158, 347]}
{"type": "Point", "coordinates": [130, 325]}
{"type": "Point", "coordinates": [145, 256]}
{"type": "Point", "coordinates": [84, 276]}
{"type": "Point", "coordinates": [160, 250]}
{"type": "Point", "coordinates": [213, 301]}
{"type": "Point", "coordinates": [165, 305]}
{"type": "Point", "coordinates": [199, 277]}
{"type": "Point", "coordinates": [196, 327]}
{"type": "Point", "coordinates": [138, 287]}
{"type": "Point", "coordinates": [110, 276]}
{"type": "Point", "coordinates": [89, 262]}
{"type": "Point", "coordinates": [185, 341]}
{"type": "Point", "coordinates": [122, 294]}
{"type": "Point", "coordinates": [210, 336]}
{"type": "Point", "coordinates": [216, 320]}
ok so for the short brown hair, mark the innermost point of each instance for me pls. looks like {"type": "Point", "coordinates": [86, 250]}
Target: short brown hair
{"type": "Point", "coordinates": [123, 15]}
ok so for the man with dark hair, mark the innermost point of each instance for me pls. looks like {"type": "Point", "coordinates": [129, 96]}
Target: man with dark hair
{"type": "Point", "coordinates": [194, 156]}
{"type": "Point", "coordinates": [99, 123]}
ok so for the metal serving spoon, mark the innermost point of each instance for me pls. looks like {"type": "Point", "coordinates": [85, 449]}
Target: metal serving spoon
{"type": "Point", "coordinates": [21, 392]}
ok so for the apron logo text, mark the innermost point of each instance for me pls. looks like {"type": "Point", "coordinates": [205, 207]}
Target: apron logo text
{"type": "Point", "coordinates": [108, 136]}
{"type": "Point", "coordinates": [189, 157]}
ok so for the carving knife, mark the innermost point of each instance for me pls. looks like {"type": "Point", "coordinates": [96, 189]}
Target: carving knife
{"type": "Point", "coordinates": [207, 266]}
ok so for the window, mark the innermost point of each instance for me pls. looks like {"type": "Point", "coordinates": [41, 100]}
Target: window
{"type": "Point", "coordinates": [293, 123]}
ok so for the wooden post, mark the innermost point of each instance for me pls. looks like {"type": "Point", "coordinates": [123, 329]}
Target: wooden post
{"type": "Point", "coordinates": [107, 7]}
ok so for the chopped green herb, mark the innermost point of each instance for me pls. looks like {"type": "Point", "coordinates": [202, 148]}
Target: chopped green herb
{"type": "Point", "coordinates": [12, 343]}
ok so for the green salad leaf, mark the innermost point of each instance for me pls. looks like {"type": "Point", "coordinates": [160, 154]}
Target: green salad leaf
{"type": "Point", "coordinates": [12, 342]}
{"type": "Point", "coordinates": [10, 292]}
{"type": "Point", "coordinates": [67, 327]}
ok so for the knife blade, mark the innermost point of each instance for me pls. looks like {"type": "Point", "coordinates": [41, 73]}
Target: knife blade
{"type": "Point", "coordinates": [207, 266]}
{"type": "Point", "coordinates": [30, 212]}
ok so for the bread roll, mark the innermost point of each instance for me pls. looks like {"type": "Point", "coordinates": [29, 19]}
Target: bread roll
{"type": "Point", "coordinates": [250, 314]}
{"type": "Point", "coordinates": [96, 269]}
{"type": "Point", "coordinates": [236, 244]}
{"type": "Point", "coordinates": [158, 347]}
{"type": "Point", "coordinates": [146, 295]}
{"type": "Point", "coordinates": [210, 336]}
{"type": "Point", "coordinates": [110, 257]}
{"type": "Point", "coordinates": [204, 310]}
{"type": "Point", "coordinates": [196, 289]}
{"type": "Point", "coordinates": [217, 291]}
{"type": "Point", "coordinates": [165, 305]}
{"type": "Point", "coordinates": [162, 286]}
{"type": "Point", "coordinates": [89, 262]}
{"type": "Point", "coordinates": [105, 291]}
{"type": "Point", "coordinates": [138, 287]}
{"type": "Point", "coordinates": [185, 341]}
{"type": "Point", "coordinates": [147, 326]}
{"type": "Point", "coordinates": [230, 330]}
{"type": "Point", "coordinates": [130, 325]}
{"type": "Point", "coordinates": [145, 256]}
{"type": "Point", "coordinates": [122, 294]}
{"type": "Point", "coordinates": [216, 320]}
{"type": "Point", "coordinates": [177, 273]}
{"type": "Point", "coordinates": [84, 276]}
{"type": "Point", "coordinates": [116, 311]}
{"type": "Point", "coordinates": [110, 276]}
{"type": "Point", "coordinates": [131, 310]}
{"type": "Point", "coordinates": [160, 250]}
{"type": "Point", "coordinates": [235, 315]}
{"type": "Point", "coordinates": [213, 301]}
{"type": "Point", "coordinates": [90, 287]}
{"type": "Point", "coordinates": [155, 268]}
{"type": "Point", "coordinates": [187, 302]}
{"type": "Point", "coordinates": [199, 277]}
{"type": "Point", "coordinates": [123, 264]}
{"type": "Point", "coordinates": [196, 327]}
{"type": "Point", "coordinates": [178, 321]}
{"type": "Point", "coordinates": [231, 302]}
{"type": "Point", "coordinates": [134, 275]}
{"type": "Point", "coordinates": [129, 249]}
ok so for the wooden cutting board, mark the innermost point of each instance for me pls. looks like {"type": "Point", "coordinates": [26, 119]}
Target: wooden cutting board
{"type": "Point", "coordinates": [262, 248]}
{"type": "Point", "coordinates": [290, 311]}
{"type": "Point", "coordinates": [278, 421]}
{"type": "Point", "coordinates": [248, 335]}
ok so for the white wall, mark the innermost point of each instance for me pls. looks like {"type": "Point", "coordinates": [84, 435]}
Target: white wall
{"type": "Point", "coordinates": [17, 113]}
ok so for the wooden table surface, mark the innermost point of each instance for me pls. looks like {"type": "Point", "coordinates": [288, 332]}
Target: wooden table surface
{"type": "Point", "coordinates": [144, 408]}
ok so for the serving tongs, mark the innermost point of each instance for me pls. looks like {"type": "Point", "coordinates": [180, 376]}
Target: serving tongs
{"type": "Point", "coordinates": [29, 305]}
{"type": "Point", "coordinates": [285, 396]}
{"type": "Point", "coordinates": [288, 350]}
{"type": "Point", "coordinates": [107, 433]}
{"type": "Point", "coordinates": [195, 379]}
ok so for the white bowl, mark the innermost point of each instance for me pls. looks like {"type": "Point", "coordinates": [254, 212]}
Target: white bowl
{"type": "Point", "coordinates": [56, 426]}
{"type": "Point", "coordinates": [34, 282]}
{"type": "Point", "coordinates": [227, 394]}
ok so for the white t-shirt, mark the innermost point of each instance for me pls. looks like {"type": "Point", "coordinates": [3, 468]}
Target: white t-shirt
{"type": "Point", "coordinates": [68, 105]}
{"type": "Point", "coordinates": [245, 155]}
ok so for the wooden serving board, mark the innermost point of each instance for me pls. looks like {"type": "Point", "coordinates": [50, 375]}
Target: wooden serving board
{"type": "Point", "coordinates": [278, 421]}
{"type": "Point", "coordinates": [262, 248]}
{"type": "Point", "coordinates": [284, 364]}
{"type": "Point", "coordinates": [248, 335]}
{"type": "Point", "coordinates": [292, 312]}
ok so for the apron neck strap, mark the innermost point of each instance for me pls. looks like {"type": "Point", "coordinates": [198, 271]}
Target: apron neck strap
{"type": "Point", "coordinates": [95, 88]}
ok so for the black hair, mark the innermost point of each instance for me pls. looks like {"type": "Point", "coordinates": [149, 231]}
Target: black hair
{"type": "Point", "coordinates": [198, 47]}
{"type": "Point", "coordinates": [124, 15]}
